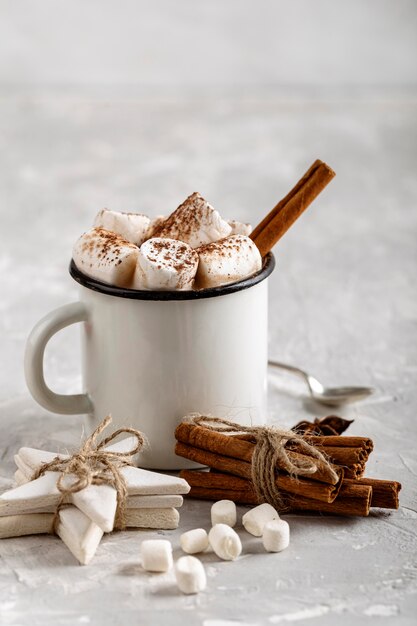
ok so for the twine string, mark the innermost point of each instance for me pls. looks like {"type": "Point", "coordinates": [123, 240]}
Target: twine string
{"type": "Point", "coordinates": [92, 464]}
{"type": "Point", "coordinates": [270, 451]}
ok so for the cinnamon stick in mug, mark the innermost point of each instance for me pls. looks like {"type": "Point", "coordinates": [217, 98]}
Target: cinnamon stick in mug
{"type": "Point", "coordinates": [284, 214]}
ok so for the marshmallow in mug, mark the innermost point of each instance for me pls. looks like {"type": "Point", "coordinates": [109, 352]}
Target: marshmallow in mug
{"type": "Point", "coordinates": [155, 224]}
{"type": "Point", "coordinates": [165, 264]}
{"type": "Point", "coordinates": [106, 256]}
{"type": "Point", "coordinates": [131, 226]}
{"type": "Point", "coordinates": [195, 222]}
{"type": "Point", "coordinates": [227, 261]}
{"type": "Point", "coordinates": [240, 228]}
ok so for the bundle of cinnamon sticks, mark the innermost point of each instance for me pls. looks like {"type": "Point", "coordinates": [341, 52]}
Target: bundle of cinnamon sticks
{"type": "Point", "coordinates": [228, 457]}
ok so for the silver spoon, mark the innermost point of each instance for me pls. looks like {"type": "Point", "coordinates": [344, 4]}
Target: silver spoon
{"type": "Point", "coordinates": [332, 396]}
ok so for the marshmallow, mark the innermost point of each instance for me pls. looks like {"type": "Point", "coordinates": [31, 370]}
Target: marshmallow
{"type": "Point", "coordinates": [276, 535]}
{"type": "Point", "coordinates": [194, 541]}
{"type": "Point", "coordinates": [239, 228]}
{"type": "Point", "coordinates": [190, 574]}
{"type": "Point", "coordinates": [156, 555]}
{"type": "Point", "coordinates": [131, 226]}
{"type": "Point", "coordinates": [225, 542]}
{"type": "Point", "coordinates": [155, 223]}
{"type": "Point", "coordinates": [227, 261]}
{"type": "Point", "coordinates": [106, 256]}
{"type": "Point", "coordinates": [223, 512]}
{"type": "Point", "coordinates": [255, 519]}
{"type": "Point", "coordinates": [165, 264]}
{"type": "Point", "coordinates": [195, 222]}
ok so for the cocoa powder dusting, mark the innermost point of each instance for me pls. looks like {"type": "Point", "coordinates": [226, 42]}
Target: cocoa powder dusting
{"type": "Point", "coordinates": [106, 243]}
{"type": "Point", "coordinates": [224, 247]}
{"type": "Point", "coordinates": [184, 220]}
{"type": "Point", "coordinates": [171, 253]}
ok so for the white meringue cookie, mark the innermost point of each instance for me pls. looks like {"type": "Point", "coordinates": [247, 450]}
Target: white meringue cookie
{"type": "Point", "coordinates": [240, 228]}
{"type": "Point", "coordinates": [106, 256]}
{"type": "Point", "coordinates": [165, 264]}
{"type": "Point", "coordinates": [227, 261]}
{"type": "Point", "coordinates": [132, 226]}
{"type": "Point", "coordinates": [195, 222]}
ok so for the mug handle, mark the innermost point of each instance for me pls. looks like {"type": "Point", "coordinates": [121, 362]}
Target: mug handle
{"type": "Point", "coordinates": [34, 355]}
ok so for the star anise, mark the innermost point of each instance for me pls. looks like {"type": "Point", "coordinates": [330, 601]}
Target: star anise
{"type": "Point", "coordinates": [330, 425]}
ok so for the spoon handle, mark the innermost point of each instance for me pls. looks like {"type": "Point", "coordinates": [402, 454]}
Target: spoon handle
{"type": "Point", "coordinates": [289, 368]}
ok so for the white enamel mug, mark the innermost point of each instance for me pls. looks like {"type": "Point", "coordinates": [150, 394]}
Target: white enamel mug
{"type": "Point", "coordinates": [151, 357]}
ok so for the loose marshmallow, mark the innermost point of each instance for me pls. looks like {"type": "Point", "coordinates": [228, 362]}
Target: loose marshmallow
{"type": "Point", "coordinates": [239, 228]}
{"type": "Point", "coordinates": [106, 256]}
{"type": "Point", "coordinates": [255, 519]}
{"type": "Point", "coordinates": [165, 264]}
{"type": "Point", "coordinates": [225, 542]}
{"type": "Point", "coordinates": [194, 541]}
{"type": "Point", "coordinates": [132, 226]}
{"type": "Point", "coordinates": [190, 574]}
{"type": "Point", "coordinates": [195, 222]}
{"type": "Point", "coordinates": [276, 535]}
{"type": "Point", "coordinates": [223, 512]}
{"type": "Point", "coordinates": [156, 555]}
{"type": "Point", "coordinates": [227, 261]}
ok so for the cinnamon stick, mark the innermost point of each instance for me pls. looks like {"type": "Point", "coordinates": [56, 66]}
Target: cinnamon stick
{"type": "Point", "coordinates": [346, 456]}
{"type": "Point", "coordinates": [341, 441]}
{"type": "Point", "coordinates": [353, 498]}
{"type": "Point", "coordinates": [325, 441]}
{"type": "Point", "coordinates": [284, 214]}
{"type": "Point", "coordinates": [239, 448]}
{"type": "Point", "coordinates": [300, 486]}
{"type": "Point", "coordinates": [355, 501]}
{"type": "Point", "coordinates": [385, 493]}
{"type": "Point", "coordinates": [351, 453]}
{"type": "Point", "coordinates": [215, 480]}
{"type": "Point", "coordinates": [355, 471]}
{"type": "Point", "coordinates": [239, 497]}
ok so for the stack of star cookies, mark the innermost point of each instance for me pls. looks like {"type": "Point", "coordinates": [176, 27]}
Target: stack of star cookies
{"type": "Point", "coordinates": [84, 516]}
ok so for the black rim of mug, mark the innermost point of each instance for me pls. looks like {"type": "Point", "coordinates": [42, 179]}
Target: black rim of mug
{"type": "Point", "coordinates": [141, 294]}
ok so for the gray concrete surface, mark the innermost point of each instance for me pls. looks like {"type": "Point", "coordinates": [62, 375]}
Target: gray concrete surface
{"type": "Point", "coordinates": [342, 304]}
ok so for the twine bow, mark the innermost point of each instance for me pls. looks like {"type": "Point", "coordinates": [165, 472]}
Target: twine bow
{"type": "Point", "coordinates": [93, 465]}
{"type": "Point", "coordinates": [270, 450]}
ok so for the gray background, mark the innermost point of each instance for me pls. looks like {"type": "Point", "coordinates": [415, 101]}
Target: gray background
{"type": "Point", "coordinates": [134, 105]}
{"type": "Point", "coordinates": [219, 43]}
